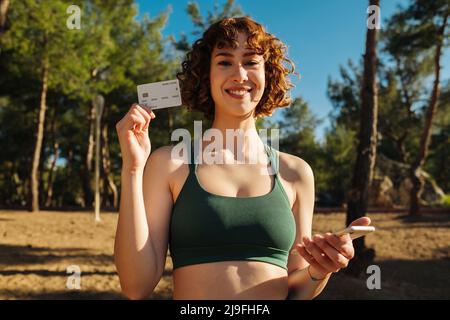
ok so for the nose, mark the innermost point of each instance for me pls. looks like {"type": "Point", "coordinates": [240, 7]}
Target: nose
{"type": "Point", "coordinates": [240, 74]}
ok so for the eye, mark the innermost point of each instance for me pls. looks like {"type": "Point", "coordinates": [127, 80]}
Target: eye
{"type": "Point", "coordinates": [252, 63]}
{"type": "Point", "coordinates": [224, 63]}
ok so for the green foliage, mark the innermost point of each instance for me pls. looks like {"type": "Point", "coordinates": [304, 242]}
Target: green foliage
{"type": "Point", "coordinates": [297, 131]}
{"type": "Point", "coordinates": [339, 156]}
{"type": "Point", "coordinates": [438, 162]}
{"type": "Point", "coordinates": [446, 201]}
{"type": "Point", "coordinates": [345, 96]}
{"type": "Point", "coordinates": [229, 10]}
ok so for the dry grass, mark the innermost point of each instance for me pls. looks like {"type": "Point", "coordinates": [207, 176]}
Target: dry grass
{"type": "Point", "coordinates": [36, 249]}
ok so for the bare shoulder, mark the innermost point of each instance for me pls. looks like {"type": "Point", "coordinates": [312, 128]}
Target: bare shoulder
{"type": "Point", "coordinates": [167, 157]}
{"type": "Point", "coordinates": [160, 154]}
{"type": "Point", "coordinates": [294, 169]}
{"type": "Point", "coordinates": [169, 163]}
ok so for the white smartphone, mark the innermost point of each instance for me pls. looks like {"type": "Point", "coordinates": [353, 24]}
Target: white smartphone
{"type": "Point", "coordinates": [354, 232]}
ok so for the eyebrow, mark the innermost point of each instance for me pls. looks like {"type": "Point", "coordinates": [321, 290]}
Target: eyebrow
{"type": "Point", "coordinates": [228, 54]}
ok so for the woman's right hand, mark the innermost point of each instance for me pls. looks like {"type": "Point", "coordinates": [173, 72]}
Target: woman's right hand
{"type": "Point", "coordinates": [134, 141]}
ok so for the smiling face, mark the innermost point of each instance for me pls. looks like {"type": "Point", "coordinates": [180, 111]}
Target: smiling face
{"type": "Point", "coordinates": [237, 79]}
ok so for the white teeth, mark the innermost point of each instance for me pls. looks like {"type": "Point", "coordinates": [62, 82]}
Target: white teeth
{"type": "Point", "coordinates": [238, 93]}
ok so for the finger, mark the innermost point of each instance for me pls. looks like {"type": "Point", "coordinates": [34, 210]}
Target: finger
{"type": "Point", "coordinates": [363, 221]}
{"type": "Point", "coordinates": [126, 122]}
{"type": "Point", "coordinates": [310, 259]}
{"type": "Point", "coordinates": [335, 256]}
{"type": "Point", "coordinates": [305, 254]}
{"type": "Point", "coordinates": [338, 241]}
{"type": "Point", "coordinates": [148, 110]}
{"type": "Point", "coordinates": [345, 247]}
{"type": "Point", "coordinates": [138, 109]}
{"type": "Point", "coordinates": [137, 121]}
{"type": "Point", "coordinates": [145, 114]}
{"type": "Point", "coordinates": [319, 256]}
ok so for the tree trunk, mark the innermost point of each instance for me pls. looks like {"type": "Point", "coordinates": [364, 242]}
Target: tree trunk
{"type": "Point", "coordinates": [34, 177]}
{"type": "Point", "coordinates": [4, 4]}
{"type": "Point", "coordinates": [108, 181]}
{"type": "Point", "coordinates": [399, 143]}
{"type": "Point", "coordinates": [55, 146]}
{"type": "Point", "coordinates": [87, 185]}
{"type": "Point", "coordinates": [365, 162]}
{"type": "Point", "coordinates": [416, 168]}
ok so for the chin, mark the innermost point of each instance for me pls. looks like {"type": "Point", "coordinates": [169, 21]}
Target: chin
{"type": "Point", "coordinates": [237, 108]}
{"type": "Point", "coordinates": [241, 111]}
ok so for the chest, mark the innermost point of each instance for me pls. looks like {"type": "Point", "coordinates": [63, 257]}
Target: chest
{"type": "Point", "coordinates": [247, 180]}
{"type": "Point", "coordinates": [235, 180]}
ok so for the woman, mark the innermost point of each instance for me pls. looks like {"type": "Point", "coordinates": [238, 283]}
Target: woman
{"type": "Point", "coordinates": [233, 232]}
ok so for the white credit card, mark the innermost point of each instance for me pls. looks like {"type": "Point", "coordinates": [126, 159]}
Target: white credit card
{"type": "Point", "coordinates": [158, 95]}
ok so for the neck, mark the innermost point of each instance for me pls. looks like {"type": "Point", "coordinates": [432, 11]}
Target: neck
{"type": "Point", "coordinates": [238, 135]}
{"type": "Point", "coordinates": [237, 126]}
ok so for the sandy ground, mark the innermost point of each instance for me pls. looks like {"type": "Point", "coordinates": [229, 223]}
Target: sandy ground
{"type": "Point", "coordinates": [37, 249]}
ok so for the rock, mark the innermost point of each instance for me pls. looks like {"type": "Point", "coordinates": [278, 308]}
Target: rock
{"type": "Point", "coordinates": [391, 185]}
{"type": "Point", "coordinates": [381, 192]}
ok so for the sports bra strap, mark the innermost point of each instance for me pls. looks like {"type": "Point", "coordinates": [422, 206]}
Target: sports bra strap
{"type": "Point", "coordinates": [274, 158]}
{"type": "Point", "coordinates": [192, 158]}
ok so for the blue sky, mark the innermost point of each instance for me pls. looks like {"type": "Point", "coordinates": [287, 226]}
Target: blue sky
{"type": "Point", "coordinates": [321, 36]}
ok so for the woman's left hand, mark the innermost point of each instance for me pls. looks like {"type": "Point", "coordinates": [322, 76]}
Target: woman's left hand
{"type": "Point", "coordinates": [329, 253]}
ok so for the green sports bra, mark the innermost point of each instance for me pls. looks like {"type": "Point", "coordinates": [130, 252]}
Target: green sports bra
{"type": "Point", "coordinates": [206, 227]}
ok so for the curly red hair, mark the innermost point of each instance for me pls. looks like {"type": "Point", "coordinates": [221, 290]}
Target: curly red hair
{"type": "Point", "coordinates": [194, 77]}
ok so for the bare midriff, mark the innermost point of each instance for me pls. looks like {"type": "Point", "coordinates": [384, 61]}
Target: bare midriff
{"type": "Point", "coordinates": [228, 280]}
